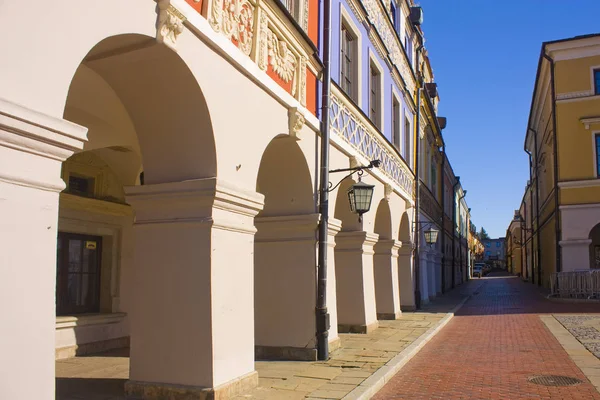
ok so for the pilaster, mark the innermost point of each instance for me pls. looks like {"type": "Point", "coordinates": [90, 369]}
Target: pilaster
{"type": "Point", "coordinates": [387, 290]}
{"type": "Point", "coordinates": [355, 281]}
{"type": "Point", "coordinates": [32, 149]}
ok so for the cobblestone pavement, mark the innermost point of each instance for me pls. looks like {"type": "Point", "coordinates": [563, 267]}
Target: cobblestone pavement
{"type": "Point", "coordinates": [490, 349]}
{"type": "Point", "coordinates": [586, 328]}
{"type": "Point", "coordinates": [101, 377]}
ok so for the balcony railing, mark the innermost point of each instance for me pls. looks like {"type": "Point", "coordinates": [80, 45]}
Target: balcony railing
{"type": "Point", "coordinates": [428, 203]}
{"type": "Point", "coordinates": [355, 129]}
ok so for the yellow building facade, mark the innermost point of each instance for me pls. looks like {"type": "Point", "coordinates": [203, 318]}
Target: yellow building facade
{"type": "Point", "coordinates": [562, 140]}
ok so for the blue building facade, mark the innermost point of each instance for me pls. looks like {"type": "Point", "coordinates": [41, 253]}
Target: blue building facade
{"type": "Point", "coordinates": [373, 64]}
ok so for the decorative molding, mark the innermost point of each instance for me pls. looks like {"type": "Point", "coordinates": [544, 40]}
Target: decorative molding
{"type": "Point", "coordinates": [263, 58]}
{"type": "Point", "coordinates": [387, 192]}
{"type": "Point", "coordinates": [304, 14]}
{"type": "Point", "coordinates": [359, 134]}
{"type": "Point", "coordinates": [574, 95]}
{"type": "Point", "coordinates": [169, 25]}
{"type": "Point", "coordinates": [296, 122]}
{"type": "Point", "coordinates": [583, 183]}
{"type": "Point", "coordinates": [589, 121]}
{"type": "Point", "coordinates": [235, 19]}
{"type": "Point", "coordinates": [303, 73]}
{"type": "Point", "coordinates": [376, 15]}
{"type": "Point", "coordinates": [282, 59]}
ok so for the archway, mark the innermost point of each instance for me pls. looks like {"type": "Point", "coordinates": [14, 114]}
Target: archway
{"type": "Point", "coordinates": [405, 268]}
{"type": "Point", "coordinates": [355, 283]}
{"type": "Point", "coordinates": [285, 255]}
{"type": "Point", "coordinates": [151, 154]}
{"type": "Point", "coordinates": [594, 236]}
{"type": "Point", "coordinates": [385, 265]}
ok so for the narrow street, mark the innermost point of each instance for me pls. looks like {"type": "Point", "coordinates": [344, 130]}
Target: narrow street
{"type": "Point", "coordinates": [491, 347]}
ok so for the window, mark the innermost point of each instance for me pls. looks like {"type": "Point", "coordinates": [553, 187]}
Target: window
{"type": "Point", "coordinates": [78, 274]}
{"type": "Point", "coordinates": [396, 123]}
{"type": "Point", "coordinates": [81, 186]}
{"type": "Point", "coordinates": [348, 67]}
{"type": "Point", "coordinates": [487, 253]}
{"type": "Point", "coordinates": [407, 141]}
{"type": "Point", "coordinates": [597, 139]}
{"type": "Point", "coordinates": [597, 81]}
{"type": "Point", "coordinates": [394, 16]}
{"type": "Point", "coordinates": [293, 6]}
{"type": "Point", "coordinates": [498, 244]}
{"type": "Point", "coordinates": [434, 176]}
{"type": "Point", "coordinates": [487, 245]}
{"type": "Point", "coordinates": [374, 95]}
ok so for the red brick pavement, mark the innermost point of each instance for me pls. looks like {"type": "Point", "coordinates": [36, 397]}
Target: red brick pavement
{"type": "Point", "coordinates": [489, 349]}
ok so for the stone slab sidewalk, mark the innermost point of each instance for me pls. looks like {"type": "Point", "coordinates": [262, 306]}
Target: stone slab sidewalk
{"type": "Point", "coordinates": [360, 367]}
{"type": "Point", "coordinates": [364, 362]}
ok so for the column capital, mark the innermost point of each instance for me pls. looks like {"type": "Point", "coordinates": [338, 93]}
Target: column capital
{"type": "Point", "coordinates": [388, 246]}
{"type": "Point", "coordinates": [37, 141]}
{"type": "Point", "coordinates": [355, 240]}
{"type": "Point", "coordinates": [208, 200]}
{"type": "Point", "coordinates": [287, 228]}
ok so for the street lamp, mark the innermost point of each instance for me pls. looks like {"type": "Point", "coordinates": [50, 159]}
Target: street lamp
{"type": "Point", "coordinates": [431, 236]}
{"type": "Point", "coordinates": [360, 195]}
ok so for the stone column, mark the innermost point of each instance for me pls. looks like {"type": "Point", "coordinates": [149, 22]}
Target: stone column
{"type": "Point", "coordinates": [387, 291]}
{"type": "Point", "coordinates": [192, 316]}
{"type": "Point", "coordinates": [405, 277]}
{"type": "Point", "coordinates": [334, 226]}
{"type": "Point", "coordinates": [423, 265]}
{"type": "Point", "coordinates": [438, 274]}
{"type": "Point", "coordinates": [432, 275]}
{"type": "Point", "coordinates": [284, 287]}
{"type": "Point", "coordinates": [32, 148]}
{"type": "Point", "coordinates": [355, 281]}
{"type": "Point", "coordinates": [575, 254]}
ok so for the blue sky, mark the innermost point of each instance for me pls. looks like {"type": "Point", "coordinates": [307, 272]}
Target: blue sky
{"type": "Point", "coordinates": [484, 54]}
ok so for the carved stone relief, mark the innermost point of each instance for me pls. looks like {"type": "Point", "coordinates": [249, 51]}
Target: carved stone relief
{"type": "Point", "coordinates": [169, 25]}
{"type": "Point", "coordinates": [296, 122]}
{"type": "Point", "coordinates": [235, 19]}
{"type": "Point", "coordinates": [281, 59]}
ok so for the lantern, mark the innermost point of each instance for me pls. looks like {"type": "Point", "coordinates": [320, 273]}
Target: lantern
{"type": "Point", "coordinates": [360, 195]}
{"type": "Point", "coordinates": [431, 236]}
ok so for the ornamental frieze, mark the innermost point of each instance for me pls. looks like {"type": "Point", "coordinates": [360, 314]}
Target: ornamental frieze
{"type": "Point", "coordinates": [235, 19]}
{"type": "Point", "coordinates": [347, 124]}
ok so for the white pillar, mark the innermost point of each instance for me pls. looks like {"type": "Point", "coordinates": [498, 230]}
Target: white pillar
{"type": "Point", "coordinates": [284, 287]}
{"type": "Point", "coordinates": [32, 148]}
{"type": "Point", "coordinates": [424, 278]}
{"type": "Point", "coordinates": [334, 226]}
{"type": "Point", "coordinates": [575, 254]}
{"type": "Point", "coordinates": [431, 276]}
{"type": "Point", "coordinates": [438, 273]}
{"type": "Point", "coordinates": [192, 317]}
{"type": "Point", "coordinates": [405, 277]}
{"type": "Point", "coordinates": [387, 291]}
{"type": "Point", "coordinates": [355, 281]}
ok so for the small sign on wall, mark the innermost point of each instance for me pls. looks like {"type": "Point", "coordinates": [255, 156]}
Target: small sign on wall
{"type": "Point", "coordinates": [90, 245]}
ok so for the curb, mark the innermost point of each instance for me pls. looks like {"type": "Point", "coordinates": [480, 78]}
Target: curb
{"type": "Point", "coordinates": [370, 386]}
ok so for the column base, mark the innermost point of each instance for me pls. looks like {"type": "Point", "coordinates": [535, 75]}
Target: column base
{"type": "Point", "coordinates": [408, 308]}
{"type": "Point", "coordinates": [346, 328]}
{"type": "Point", "coordinates": [335, 344]}
{"type": "Point", "coordinates": [159, 391]}
{"type": "Point", "coordinates": [389, 316]}
{"type": "Point", "coordinates": [285, 353]}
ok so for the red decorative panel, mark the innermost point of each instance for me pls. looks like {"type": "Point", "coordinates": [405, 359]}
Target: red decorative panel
{"type": "Point", "coordinates": [196, 5]}
{"type": "Point", "coordinates": [286, 85]}
{"type": "Point", "coordinates": [313, 21]}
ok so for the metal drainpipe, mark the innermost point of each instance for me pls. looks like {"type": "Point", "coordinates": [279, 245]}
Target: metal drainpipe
{"type": "Point", "coordinates": [443, 229]}
{"type": "Point", "coordinates": [555, 156]}
{"type": "Point", "coordinates": [454, 232]}
{"type": "Point", "coordinates": [537, 211]}
{"type": "Point", "coordinates": [460, 247]}
{"type": "Point", "coordinates": [416, 260]}
{"type": "Point", "coordinates": [322, 316]}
